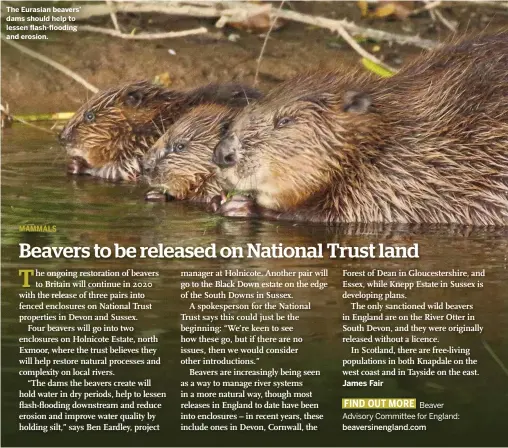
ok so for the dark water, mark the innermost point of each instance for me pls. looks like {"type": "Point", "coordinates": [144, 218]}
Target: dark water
{"type": "Point", "coordinates": [35, 189]}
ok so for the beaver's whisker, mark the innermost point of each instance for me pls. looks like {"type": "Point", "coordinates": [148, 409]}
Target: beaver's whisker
{"type": "Point", "coordinates": [162, 123]}
{"type": "Point", "coordinates": [57, 153]}
{"type": "Point", "coordinates": [156, 127]}
{"type": "Point", "coordinates": [245, 95]}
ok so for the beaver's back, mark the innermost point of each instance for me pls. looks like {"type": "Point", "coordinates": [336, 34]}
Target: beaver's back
{"type": "Point", "coordinates": [229, 94]}
{"type": "Point", "coordinates": [441, 127]}
{"type": "Point", "coordinates": [462, 83]}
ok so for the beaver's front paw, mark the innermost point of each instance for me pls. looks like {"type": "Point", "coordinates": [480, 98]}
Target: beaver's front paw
{"type": "Point", "coordinates": [239, 207]}
{"type": "Point", "coordinates": [155, 196]}
{"type": "Point", "coordinates": [215, 203]}
{"type": "Point", "coordinates": [77, 165]}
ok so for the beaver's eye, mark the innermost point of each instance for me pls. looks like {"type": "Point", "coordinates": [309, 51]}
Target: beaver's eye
{"type": "Point", "coordinates": [89, 117]}
{"type": "Point", "coordinates": [178, 147]}
{"type": "Point", "coordinates": [284, 121]}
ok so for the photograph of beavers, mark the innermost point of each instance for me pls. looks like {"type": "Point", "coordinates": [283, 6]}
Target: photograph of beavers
{"type": "Point", "coordinates": [371, 135]}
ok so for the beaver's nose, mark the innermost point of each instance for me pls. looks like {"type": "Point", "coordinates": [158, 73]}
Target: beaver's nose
{"type": "Point", "coordinates": [226, 152]}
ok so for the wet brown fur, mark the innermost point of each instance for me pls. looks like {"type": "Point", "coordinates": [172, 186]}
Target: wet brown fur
{"type": "Point", "coordinates": [428, 145]}
{"type": "Point", "coordinates": [129, 119]}
{"type": "Point", "coordinates": [189, 174]}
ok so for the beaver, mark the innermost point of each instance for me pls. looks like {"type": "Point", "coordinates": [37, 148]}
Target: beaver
{"type": "Point", "coordinates": [426, 146]}
{"type": "Point", "coordinates": [111, 132]}
{"type": "Point", "coordinates": [179, 165]}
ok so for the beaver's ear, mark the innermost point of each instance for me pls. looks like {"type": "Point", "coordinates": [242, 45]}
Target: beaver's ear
{"type": "Point", "coordinates": [356, 102]}
{"type": "Point", "coordinates": [133, 99]}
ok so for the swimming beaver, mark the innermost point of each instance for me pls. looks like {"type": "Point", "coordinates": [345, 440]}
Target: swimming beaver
{"type": "Point", "coordinates": [428, 145]}
{"type": "Point", "coordinates": [179, 165]}
{"type": "Point", "coordinates": [109, 134]}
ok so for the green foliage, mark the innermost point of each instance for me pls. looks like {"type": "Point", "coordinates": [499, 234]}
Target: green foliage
{"type": "Point", "coordinates": [377, 69]}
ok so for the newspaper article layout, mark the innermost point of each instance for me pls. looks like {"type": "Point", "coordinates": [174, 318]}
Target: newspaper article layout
{"type": "Point", "coordinates": [254, 223]}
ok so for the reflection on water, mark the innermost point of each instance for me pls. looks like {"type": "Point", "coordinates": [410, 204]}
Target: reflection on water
{"type": "Point", "coordinates": [36, 190]}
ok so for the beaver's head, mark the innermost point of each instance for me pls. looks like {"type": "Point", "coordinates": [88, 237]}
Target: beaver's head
{"type": "Point", "coordinates": [284, 147]}
{"type": "Point", "coordinates": [180, 163]}
{"type": "Point", "coordinates": [117, 125]}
